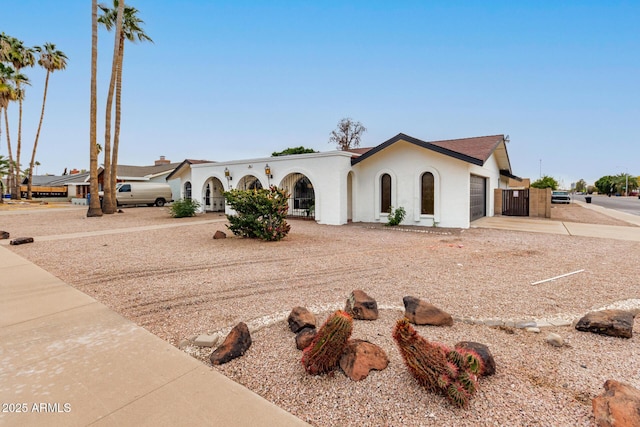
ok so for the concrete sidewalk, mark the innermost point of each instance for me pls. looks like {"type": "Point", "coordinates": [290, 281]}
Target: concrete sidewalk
{"type": "Point", "coordinates": [534, 225]}
{"type": "Point", "coordinates": [67, 360]}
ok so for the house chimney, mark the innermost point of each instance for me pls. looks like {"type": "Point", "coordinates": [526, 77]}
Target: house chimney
{"type": "Point", "coordinates": [162, 161]}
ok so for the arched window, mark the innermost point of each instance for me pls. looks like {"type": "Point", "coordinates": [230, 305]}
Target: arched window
{"type": "Point", "coordinates": [385, 193]}
{"type": "Point", "coordinates": [187, 190]}
{"type": "Point", "coordinates": [428, 194]}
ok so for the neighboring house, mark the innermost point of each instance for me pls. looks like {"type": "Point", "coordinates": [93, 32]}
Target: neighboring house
{"type": "Point", "coordinates": [155, 173]}
{"type": "Point", "coordinates": [75, 184]}
{"type": "Point", "coordinates": [445, 183]}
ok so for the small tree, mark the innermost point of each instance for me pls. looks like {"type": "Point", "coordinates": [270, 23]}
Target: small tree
{"type": "Point", "coordinates": [546, 182]}
{"type": "Point", "coordinates": [294, 150]}
{"type": "Point", "coordinates": [581, 185]}
{"type": "Point", "coordinates": [259, 213]}
{"type": "Point", "coordinates": [606, 184]}
{"type": "Point", "coordinates": [347, 135]}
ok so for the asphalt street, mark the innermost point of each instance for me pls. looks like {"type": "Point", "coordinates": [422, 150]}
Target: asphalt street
{"type": "Point", "coordinates": [623, 204]}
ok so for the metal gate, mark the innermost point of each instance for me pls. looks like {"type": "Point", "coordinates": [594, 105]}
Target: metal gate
{"type": "Point", "coordinates": [302, 198]}
{"type": "Point", "coordinates": [478, 205]}
{"type": "Point", "coordinates": [515, 202]}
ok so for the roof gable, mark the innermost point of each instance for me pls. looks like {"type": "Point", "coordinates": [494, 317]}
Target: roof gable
{"type": "Point", "coordinates": [476, 150]}
{"type": "Point", "coordinates": [186, 162]}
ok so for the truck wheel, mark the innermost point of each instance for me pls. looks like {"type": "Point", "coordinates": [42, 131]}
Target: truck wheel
{"type": "Point", "coordinates": [160, 202]}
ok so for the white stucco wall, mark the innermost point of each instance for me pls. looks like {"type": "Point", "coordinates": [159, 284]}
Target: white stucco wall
{"type": "Point", "coordinates": [405, 163]}
{"type": "Point", "coordinates": [336, 203]}
{"type": "Point", "coordinates": [326, 171]}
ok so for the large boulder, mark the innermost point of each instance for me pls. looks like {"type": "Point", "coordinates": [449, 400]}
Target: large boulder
{"type": "Point", "coordinates": [421, 312]}
{"type": "Point", "coordinates": [615, 323]}
{"type": "Point", "coordinates": [304, 337]}
{"type": "Point", "coordinates": [360, 357]}
{"type": "Point", "coordinates": [300, 318]}
{"type": "Point", "coordinates": [618, 406]}
{"type": "Point", "coordinates": [488, 362]}
{"type": "Point", "coordinates": [235, 345]}
{"type": "Point", "coordinates": [361, 306]}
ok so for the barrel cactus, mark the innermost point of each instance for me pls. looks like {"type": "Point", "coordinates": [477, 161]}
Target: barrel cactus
{"type": "Point", "coordinates": [324, 352]}
{"type": "Point", "coordinates": [451, 372]}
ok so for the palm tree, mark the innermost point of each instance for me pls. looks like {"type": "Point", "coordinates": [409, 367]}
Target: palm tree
{"type": "Point", "coordinates": [8, 93]}
{"type": "Point", "coordinates": [108, 206]}
{"type": "Point", "coordinates": [17, 54]}
{"type": "Point", "coordinates": [94, 204]}
{"type": "Point", "coordinates": [51, 60]}
{"type": "Point", "coordinates": [130, 29]}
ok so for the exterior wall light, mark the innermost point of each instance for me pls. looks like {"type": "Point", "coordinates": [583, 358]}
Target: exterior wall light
{"type": "Point", "coordinates": [227, 174]}
{"type": "Point", "coordinates": [267, 171]}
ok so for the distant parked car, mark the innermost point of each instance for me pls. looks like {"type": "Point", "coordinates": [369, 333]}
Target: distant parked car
{"type": "Point", "coordinates": [560, 197]}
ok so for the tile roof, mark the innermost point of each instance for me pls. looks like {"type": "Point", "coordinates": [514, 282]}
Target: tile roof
{"type": "Point", "coordinates": [479, 147]}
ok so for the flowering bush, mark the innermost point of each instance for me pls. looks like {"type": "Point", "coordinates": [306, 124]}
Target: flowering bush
{"type": "Point", "coordinates": [259, 213]}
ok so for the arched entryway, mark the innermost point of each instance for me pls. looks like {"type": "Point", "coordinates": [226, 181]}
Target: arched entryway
{"type": "Point", "coordinates": [302, 198]}
{"type": "Point", "coordinates": [212, 198]}
{"type": "Point", "coordinates": [249, 182]}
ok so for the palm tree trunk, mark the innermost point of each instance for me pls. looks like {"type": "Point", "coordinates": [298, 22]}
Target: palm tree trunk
{"type": "Point", "coordinates": [116, 134]}
{"type": "Point", "coordinates": [94, 204]}
{"type": "Point", "coordinates": [11, 177]}
{"type": "Point", "coordinates": [109, 206]}
{"type": "Point", "coordinates": [19, 145]}
{"type": "Point", "coordinates": [35, 143]}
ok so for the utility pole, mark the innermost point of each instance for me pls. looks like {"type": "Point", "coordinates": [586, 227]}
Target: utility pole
{"type": "Point", "coordinates": [626, 185]}
{"type": "Point", "coordinates": [540, 168]}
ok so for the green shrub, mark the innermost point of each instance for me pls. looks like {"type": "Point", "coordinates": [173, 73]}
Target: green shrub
{"type": "Point", "coordinates": [184, 208]}
{"type": "Point", "coordinates": [396, 216]}
{"type": "Point", "coordinates": [259, 213]}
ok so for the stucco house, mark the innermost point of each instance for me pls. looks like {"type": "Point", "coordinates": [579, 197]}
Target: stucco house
{"type": "Point", "coordinates": [439, 183]}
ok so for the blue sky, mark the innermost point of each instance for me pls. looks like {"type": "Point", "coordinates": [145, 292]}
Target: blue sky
{"type": "Point", "coordinates": [229, 80]}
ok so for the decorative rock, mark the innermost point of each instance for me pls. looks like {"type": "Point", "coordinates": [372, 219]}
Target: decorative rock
{"type": "Point", "coordinates": [4, 235]}
{"type": "Point", "coordinates": [207, 340]}
{"type": "Point", "coordinates": [304, 337]}
{"type": "Point", "coordinates": [555, 340]}
{"type": "Point", "coordinates": [220, 235]}
{"type": "Point", "coordinates": [423, 313]}
{"type": "Point", "coordinates": [301, 318]}
{"type": "Point", "coordinates": [360, 357]}
{"type": "Point", "coordinates": [618, 406]}
{"type": "Point", "coordinates": [484, 353]}
{"type": "Point", "coordinates": [235, 345]}
{"type": "Point", "coordinates": [614, 323]}
{"type": "Point", "coordinates": [532, 329]}
{"type": "Point", "coordinates": [21, 240]}
{"type": "Point", "coordinates": [526, 324]}
{"type": "Point", "coordinates": [361, 306]}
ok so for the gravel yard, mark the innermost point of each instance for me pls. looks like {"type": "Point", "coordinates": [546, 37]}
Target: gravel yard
{"type": "Point", "coordinates": [177, 282]}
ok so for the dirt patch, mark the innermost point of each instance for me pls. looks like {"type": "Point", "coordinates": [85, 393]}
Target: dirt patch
{"type": "Point", "coordinates": [573, 212]}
